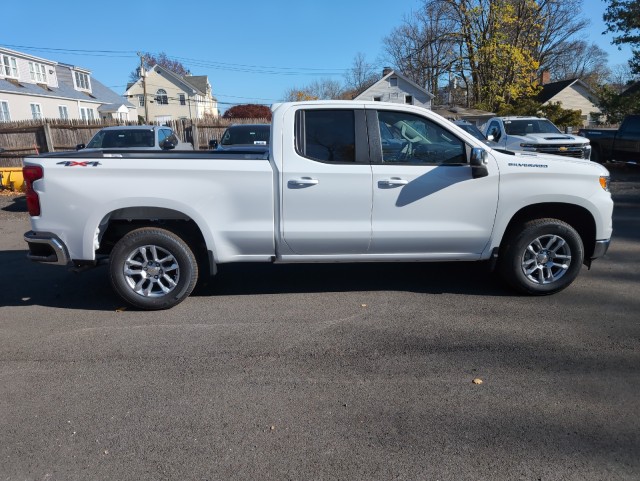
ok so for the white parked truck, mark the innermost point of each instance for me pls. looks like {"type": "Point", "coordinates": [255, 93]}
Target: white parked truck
{"type": "Point", "coordinates": [533, 134]}
{"type": "Point", "coordinates": [342, 181]}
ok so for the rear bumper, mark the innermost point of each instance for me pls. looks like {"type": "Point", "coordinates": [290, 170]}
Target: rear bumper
{"type": "Point", "coordinates": [601, 248]}
{"type": "Point", "coordinates": [47, 248]}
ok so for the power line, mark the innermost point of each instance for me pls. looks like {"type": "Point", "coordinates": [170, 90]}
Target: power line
{"type": "Point", "coordinates": [231, 67]}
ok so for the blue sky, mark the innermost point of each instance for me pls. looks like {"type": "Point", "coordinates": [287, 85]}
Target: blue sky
{"type": "Point", "coordinates": [252, 51]}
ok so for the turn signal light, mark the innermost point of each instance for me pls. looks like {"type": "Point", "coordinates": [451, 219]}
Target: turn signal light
{"type": "Point", "coordinates": [604, 182]}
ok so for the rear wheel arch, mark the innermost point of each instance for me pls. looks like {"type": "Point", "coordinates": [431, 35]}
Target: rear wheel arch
{"type": "Point", "coordinates": [117, 224]}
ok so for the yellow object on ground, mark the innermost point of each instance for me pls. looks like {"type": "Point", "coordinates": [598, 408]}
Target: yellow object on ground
{"type": "Point", "coordinates": [12, 179]}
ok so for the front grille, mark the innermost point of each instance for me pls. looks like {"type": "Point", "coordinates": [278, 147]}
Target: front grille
{"type": "Point", "coordinates": [564, 150]}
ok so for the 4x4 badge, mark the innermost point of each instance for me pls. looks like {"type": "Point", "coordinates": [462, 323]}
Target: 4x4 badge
{"type": "Point", "coordinates": [70, 163]}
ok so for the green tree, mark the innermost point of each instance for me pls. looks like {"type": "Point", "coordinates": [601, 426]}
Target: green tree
{"type": "Point", "coordinates": [616, 106]}
{"type": "Point", "coordinates": [561, 117]}
{"type": "Point", "coordinates": [623, 18]}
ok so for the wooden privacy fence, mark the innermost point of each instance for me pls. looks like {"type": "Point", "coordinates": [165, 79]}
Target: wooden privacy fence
{"type": "Point", "coordinates": [19, 139]}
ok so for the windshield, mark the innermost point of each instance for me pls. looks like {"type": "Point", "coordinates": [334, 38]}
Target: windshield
{"type": "Point", "coordinates": [246, 135]}
{"type": "Point", "coordinates": [473, 130]}
{"type": "Point", "coordinates": [109, 139]}
{"type": "Point", "coordinates": [530, 126]}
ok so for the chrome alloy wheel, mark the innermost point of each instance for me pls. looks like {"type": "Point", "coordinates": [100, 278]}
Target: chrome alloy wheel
{"type": "Point", "coordinates": [151, 271]}
{"type": "Point", "coordinates": [546, 259]}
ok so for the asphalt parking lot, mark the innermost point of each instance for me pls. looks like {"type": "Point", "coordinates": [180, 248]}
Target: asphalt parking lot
{"type": "Point", "coordinates": [323, 372]}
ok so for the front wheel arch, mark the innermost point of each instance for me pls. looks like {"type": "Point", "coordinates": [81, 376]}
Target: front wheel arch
{"type": "Point", "coordinates": [576, 216]}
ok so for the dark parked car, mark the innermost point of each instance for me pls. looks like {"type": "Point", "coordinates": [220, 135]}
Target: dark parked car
{"type": "Point", "coordinates": [244, 137]}
{"type": "Point", "coordinates": [136, 137]}
{"type": "Point", "coordinates": [621, 145]}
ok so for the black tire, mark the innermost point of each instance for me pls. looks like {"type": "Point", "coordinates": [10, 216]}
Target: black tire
{"type": "Point", "coordinates": [152, 269]}
{"type": "Point", "coordinates": [542, 257]}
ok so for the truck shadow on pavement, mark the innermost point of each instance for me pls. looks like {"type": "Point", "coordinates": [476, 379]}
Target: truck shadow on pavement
{"type": "Point", "coordinates": [52, 286]}
{"type": "Point", "coordinates": [427, 278]}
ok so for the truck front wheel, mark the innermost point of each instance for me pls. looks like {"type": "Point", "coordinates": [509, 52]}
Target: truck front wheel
{"type": "Point", "coordinates": [152, 269]}
{"type": "Point", "coordinates": [543, 257]}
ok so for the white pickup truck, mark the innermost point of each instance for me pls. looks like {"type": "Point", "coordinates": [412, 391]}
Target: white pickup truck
{"type": "Point", "coordinates": [534, 134]}
{"type": "Point", "coordinates": [343, 181]}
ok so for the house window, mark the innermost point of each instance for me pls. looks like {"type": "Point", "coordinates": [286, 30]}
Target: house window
{"type": "Point", "coordinates": [38, 72]}
{"type": "Point", "coordinates": [87, 114]}
{"type": "Point", "coordinates": [183, 100]}
{"type": "Point", "coordinates": [82, 80]}
{"type": "Point", "coordinates": [36, 111]}
{"type": "Point", "coordinates": [64, 113]}
{"type": "Point", "coordinates": [408, 99]}
{"type": "Point", "coordinates": [8, 66]}
{"type": "Point", "coordinates": [377, 99]}
{"type": "Point", "coordinates": [393, 81]}
{"type": "Point", "coordinates": [141, 100]}
{"type": "Point", "coordinates": [4, 111]}
{"type": "Point", "coordinates": [161, 97]}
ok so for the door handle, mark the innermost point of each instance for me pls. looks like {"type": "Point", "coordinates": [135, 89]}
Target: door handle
{"type": "Point", "coordinates": [392, 182]}
{"type": "Point", "coordinates": [302, 182]}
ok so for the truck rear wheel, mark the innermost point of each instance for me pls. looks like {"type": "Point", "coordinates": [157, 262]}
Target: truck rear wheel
{"type": "Point", "coordinates": [152, 268]}
{"type": "Point", "coordinates": [543, 257]}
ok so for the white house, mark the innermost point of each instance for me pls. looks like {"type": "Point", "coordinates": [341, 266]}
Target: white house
{"type": "Point", "coordinates": [34, 88]}
{"type": "Point", "coordinates": [573, 94]}
{"type": "Point", "coordinates": [396, 88]}
{"type": "Point", "coordinates": [171, 96]}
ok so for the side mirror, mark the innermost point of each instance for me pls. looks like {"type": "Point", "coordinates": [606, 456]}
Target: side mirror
{"type": "Point", "coordinates": [80, 146]}
{"type": "Point", "coordinates": [478, 162]}
{"type": "Point", "coordinates": [168, 145]}
{"type": "Point", "coordinates": [213, 144]}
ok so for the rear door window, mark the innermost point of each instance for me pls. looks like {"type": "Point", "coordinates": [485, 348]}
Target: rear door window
{"type": "Point", "coordinates": [326, 135]}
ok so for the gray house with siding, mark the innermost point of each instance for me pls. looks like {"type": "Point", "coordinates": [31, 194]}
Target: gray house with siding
{"type": "Point", "coordinates": [34, 88]}
{"type": "Point", "coordinates": [396, 88]}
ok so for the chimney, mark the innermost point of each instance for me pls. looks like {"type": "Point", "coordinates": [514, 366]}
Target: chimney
{"type": "Point", "coordinates": [545, 77]}
{"type": "Point", "coordinates": [386, 71]}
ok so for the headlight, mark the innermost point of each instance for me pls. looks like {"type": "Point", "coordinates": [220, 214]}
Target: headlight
{"type": "Point", "coordinates": [604, 182]}
{"type": "Point", "coordinates": [529, 146]}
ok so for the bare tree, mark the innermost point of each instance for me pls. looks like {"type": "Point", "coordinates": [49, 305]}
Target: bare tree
{"type": "Point", "coordinates": [361, 76]}
{"type": "Point", "coordinates": [560, 24]}
{"type": "Point", "coordinates": [323, 89]}
{"type": "Point", "coordinates": [621, 77]}
{"type": "Point", "coordinates": [161, 59]}
{"type": "Point", "coordinates": [578, 59]}
{"type": "Point", "coordinates": [424, 47]}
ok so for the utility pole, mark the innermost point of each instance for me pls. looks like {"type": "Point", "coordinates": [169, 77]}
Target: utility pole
{"type": "Point", "coordinates": [143, 75]}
